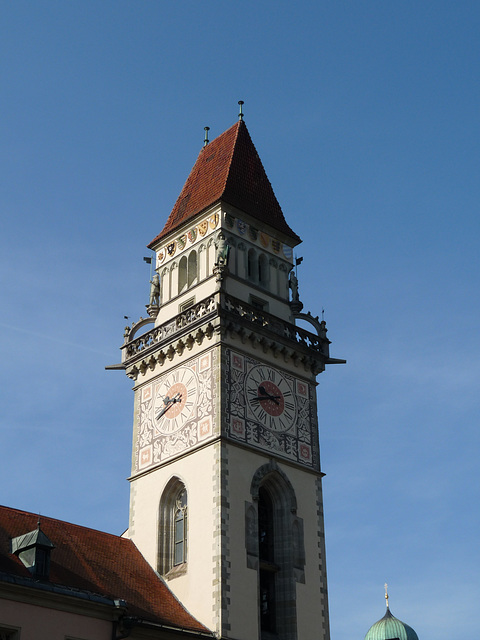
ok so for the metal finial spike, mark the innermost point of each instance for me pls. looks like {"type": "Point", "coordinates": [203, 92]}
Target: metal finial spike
{"type": "Point", "coordinates": [240, 113]}
{"type": "Point", "coordinates": [386, 593]}
{"type": "Point", "coordinates": [205, 142]}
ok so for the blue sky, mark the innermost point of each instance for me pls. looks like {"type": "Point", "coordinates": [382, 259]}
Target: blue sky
{"type": "Point", "coordinates": [366, 117]}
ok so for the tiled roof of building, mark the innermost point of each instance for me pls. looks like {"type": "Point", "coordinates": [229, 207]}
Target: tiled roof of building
{"type": "Point", "coordinates": [228, 169]}
{"type": "Point", "coordinates": [99, 563]}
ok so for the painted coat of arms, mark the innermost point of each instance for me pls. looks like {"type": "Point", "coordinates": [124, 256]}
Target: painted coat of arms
{"type": "Point", "coordinates": [203, 227]}
{"type": "Point", "coordinates": [181, 242]}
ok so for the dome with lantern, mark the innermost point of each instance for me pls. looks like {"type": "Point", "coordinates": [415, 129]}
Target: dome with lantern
{"type": "Point", "coordinates": [390, 628]}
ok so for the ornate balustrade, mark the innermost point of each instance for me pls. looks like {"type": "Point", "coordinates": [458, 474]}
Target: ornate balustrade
{"type": "Point", "coordinates": [281, 328]}
{"type": "Point", "coordinates": [234, 307]}
{"type": "Point", "coordinates": [161, 333]}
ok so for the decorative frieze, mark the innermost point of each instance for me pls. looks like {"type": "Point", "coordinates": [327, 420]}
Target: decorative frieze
{"type": "Point", "coordinates": [174, 247]}
{"type": "Point", "coordinates": [266, 241]}
{"type": "Point", "coordinates": [238, 318]}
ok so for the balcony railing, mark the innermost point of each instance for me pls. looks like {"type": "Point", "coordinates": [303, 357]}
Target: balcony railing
{"type": "Point", "coordinates": [234, 307]}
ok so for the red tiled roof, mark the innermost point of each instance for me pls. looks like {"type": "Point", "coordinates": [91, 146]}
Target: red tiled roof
{"type": "Point", "coordinates": [228, 169]}
{"type": "Point", "coordinates": [98, 562]}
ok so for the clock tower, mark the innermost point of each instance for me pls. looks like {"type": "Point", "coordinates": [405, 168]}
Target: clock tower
{"type": "Point", "coordinates": [226, 486]}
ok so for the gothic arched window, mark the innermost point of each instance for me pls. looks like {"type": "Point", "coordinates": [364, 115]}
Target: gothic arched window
{"type": "Point", "coordinates": [187, 272]}
{"type": "Point", "coordinates": [173, 529]}
{"type": "Point", "coordinates": [275, 549]}
{"type": "Point", "coordinates": [180, 530]}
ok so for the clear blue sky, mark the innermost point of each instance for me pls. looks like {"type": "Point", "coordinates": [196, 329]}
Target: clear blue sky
{"type": "Point", "coordinates": [366, 117]}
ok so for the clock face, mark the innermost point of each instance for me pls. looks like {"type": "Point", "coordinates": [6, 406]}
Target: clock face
{"type": "Point", "coordinates": [270, 398]}
{"type": "Point", "coordinates": [175, 400]}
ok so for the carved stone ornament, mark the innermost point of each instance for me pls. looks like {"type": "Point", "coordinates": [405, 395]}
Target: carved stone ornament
{"type": "Point", "coordinates": [152, 310]}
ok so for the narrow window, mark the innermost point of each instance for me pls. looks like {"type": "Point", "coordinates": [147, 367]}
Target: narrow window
{"type": "Point", "coordinates": [275, 550]}
{"type": "Point", "coordinates": [182, 275]}
{"type": "Point", "coordinates": [262, 270]}
{"type": "Point", "coordinates": [258, 303]}
{"type": "Point", "coordinates": [192, 269]}
{"type": "Point", "coordinates": [265, 526]}
{"type": "Point", "coordinates": [268, 568]}
{"type": "Point", "coordinates": [173, 530]}
{"type": "Point", "coordinates": [41, 563]}
{"type": "Point", "coordinates": [251, 260]}
{"type": "Point", "coordinates": [180, 534]}
{"type": "Point", "coordinates": [186, 305]}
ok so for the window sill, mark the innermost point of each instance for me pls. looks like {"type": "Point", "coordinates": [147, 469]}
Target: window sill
{"type": "Point", "coordinates": [176, 572]}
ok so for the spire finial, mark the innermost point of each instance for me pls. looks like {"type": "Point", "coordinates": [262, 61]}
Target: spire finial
{"type": "Point", "coordinates": [240, 113]}
{"type": "Point", "coordinates": [386, 593]}
{"type": "Point", "coordinates": [205, 141]}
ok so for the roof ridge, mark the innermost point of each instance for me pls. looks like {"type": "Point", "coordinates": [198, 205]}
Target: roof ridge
{"type": "Point", "coordinates": [71, 524]}
{"type": "Point", "coordinates": [227, 174]}
{"type": "Point", "coordinates": [197, 168]}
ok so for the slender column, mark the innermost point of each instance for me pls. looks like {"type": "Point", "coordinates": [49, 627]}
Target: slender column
{"type": "Point", "coordinates": [173, 280]}
{"type": "Point", "coordinates": [210, 256]}
{"type": "Point", "coordinates": [202, 259]}
{"type": "Point", "coordinates": [283, 281]}
{"type": "Point", "coordinates": [273, 265]}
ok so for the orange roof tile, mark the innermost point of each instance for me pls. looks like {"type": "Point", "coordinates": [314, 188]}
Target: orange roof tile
{"type": "Point", "coordinates": [99, 563]}
{"type": "Point", "coordinates": [228, 169]}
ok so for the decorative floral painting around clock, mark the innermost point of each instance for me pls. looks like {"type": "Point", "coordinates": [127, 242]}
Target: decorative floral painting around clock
{"type": "Point", "coordinates": [174, 412]}
{"type": "Point", "coordinates": [271, 410]}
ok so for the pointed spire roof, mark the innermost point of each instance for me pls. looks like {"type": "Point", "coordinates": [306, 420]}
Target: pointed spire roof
{"type": "Point", "coordinates": [228, 169]}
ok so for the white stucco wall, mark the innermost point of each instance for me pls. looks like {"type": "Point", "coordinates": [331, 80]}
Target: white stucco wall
{"type": "Point", "coordinates": [196, 589]}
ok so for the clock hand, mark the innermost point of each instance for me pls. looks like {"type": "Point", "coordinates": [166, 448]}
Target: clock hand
{"type": "Point", "coordinates": [266, 395]}
{"type": "Point", "coordinates": [167, 402]}
{"type": "Point", "coordinates": [162, 411]}
{"type": "Point", "coordinates": [260, 398]}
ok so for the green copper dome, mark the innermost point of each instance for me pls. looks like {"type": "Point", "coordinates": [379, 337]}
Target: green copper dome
{"type": "Point", "coordinates": [389, 628]}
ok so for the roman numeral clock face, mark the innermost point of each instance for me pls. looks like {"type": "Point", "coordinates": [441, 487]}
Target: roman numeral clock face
{"type": "Point", "coordinates": [175, 400]}
{"type": "Point", "coordinates": [270, 398]}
